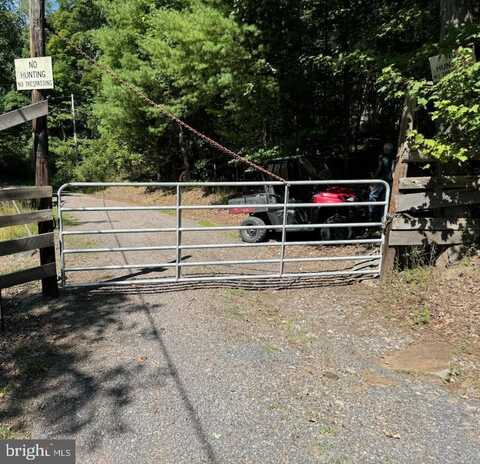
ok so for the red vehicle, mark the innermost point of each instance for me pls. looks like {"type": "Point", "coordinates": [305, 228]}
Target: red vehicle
{"type": "Point", "coordinates": [273, 215]}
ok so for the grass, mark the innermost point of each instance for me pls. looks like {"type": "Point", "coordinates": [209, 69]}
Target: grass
{"type": "Point", "coordinates": [206, 223]}
{"type": "Point", "coordinates": [417, 276]}
{"type": "Point", "coordinates": [20, 231]}
{"type": "Point", "coordinates": [4, 390]}
{"type": "Point", "coordinates": [271, 349]}
{"type": "Point", "coordinates": [80, 242]}
{"type": "Point", "coordinates": [297, 335]}
{"type": "Point", "coordinates": [423, 317]}
{"type": "Point", "coordinates": [5, 432]}
{"type": "Point", "coordinates": [326, 429]}
{"type": "Point", "coordinates": [68, 220]}
{"type": "Point", "coordinates": [13, 232]}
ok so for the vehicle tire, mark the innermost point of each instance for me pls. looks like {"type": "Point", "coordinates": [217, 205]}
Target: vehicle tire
{"type": "Point", "coordinates": [253, 235]}
{"type": "Point", "coordinates": [334, 233]}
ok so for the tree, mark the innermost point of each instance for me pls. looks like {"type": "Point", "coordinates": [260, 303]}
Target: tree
{"type": "Point", "coordinates": [453, 102]}
{"type": "Point", "coordinates": [273, 78]}
{"type": "Point", "coordinates": [192, 59]}
{"type": "Point", "coordinates": [77, 20]}
{"type": "Point", "coordinates": [14, 143]}
{"type": "Point", "coordinates": [455, 13]}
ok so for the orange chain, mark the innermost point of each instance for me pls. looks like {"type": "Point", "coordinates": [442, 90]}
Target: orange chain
{"type": "Point", "coordinates": [167, 112]}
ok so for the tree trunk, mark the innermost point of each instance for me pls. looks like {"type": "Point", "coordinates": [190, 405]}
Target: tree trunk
{"type": "Point", "coordinates": [453, 13]}
{"type": "Point", "coordinates": [186, 173]}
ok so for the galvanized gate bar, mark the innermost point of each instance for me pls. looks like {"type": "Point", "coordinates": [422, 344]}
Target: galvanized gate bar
{"type": "Point", "coordinates": [223, 245]}
{"type": "Point", "coordinates": [222, 228]}
{"type": "Point", "coordinates": [197, 207]}
{"type": "Point", "coordinates": [177, 263]}
{"type": "Point", "coordinates": [223, 263]}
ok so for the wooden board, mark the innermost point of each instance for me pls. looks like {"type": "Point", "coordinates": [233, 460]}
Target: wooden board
{"type": "Point", "coordinates": [418, 237]}
{"type": "Point", "coordinates": [28, 275]}
{"type": "Point", "coordinates": [22, 115]}
{"type": "Point", "coordinates": [435, 224]}
{"type": "Point", "coordinates": [25, 193]}
{"type": "Point", "coordinates": [448, 182]}
{"type": "Point", "coordinates": [400, 171]}
{"type": "Point", "coordinates": [423, 201]}
{"type": "Point", "coordinates": [26, 218]}
{"type": "Point", "coordinates": [35, 242]}
{"type": "Point", "coordinates": [418, 157]}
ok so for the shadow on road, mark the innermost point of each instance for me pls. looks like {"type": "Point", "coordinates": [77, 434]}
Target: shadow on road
{"type": "Point", "coordinates": [43, 373]}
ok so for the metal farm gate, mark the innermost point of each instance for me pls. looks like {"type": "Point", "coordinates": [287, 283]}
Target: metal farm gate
{"type": "Point", "coordinates": [165, 243]}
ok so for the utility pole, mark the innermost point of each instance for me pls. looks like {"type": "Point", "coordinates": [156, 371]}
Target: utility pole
{"type": "Point", "coordinates": [40, 134]}
{"type": "Point", "coordinates": [40, 140]}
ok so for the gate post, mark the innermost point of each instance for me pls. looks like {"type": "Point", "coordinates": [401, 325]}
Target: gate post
{"type": "Point", "coordinates": [284, 230]}
{"type": "Point", "coordinates": [178, 260]}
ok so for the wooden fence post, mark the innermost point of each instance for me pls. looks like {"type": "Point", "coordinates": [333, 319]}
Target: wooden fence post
{"type": "Point", "coordinates": [400, 171]}
{"type": "Point", "coordinates": [40, 141]}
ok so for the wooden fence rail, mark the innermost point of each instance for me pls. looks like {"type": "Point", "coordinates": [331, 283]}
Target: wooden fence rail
{"type": "Point", "coordinates": [440, 209]}
{"type": "Point", "coordinates": [47, 271]}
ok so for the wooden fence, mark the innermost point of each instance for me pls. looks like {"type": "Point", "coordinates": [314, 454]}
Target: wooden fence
{"type": "Point", "coordinates": [440, 209]}
{"type": "Point", "coordinates": [43, 241]}
{"type": "Point", "coordinates": [436, 210]}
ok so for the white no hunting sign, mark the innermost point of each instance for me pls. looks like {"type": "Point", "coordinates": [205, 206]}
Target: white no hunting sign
{"type": "Point", "coordinates": [34, 73]}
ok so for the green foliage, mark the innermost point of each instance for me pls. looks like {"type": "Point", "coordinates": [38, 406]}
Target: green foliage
{"type": "Point", "coordinates": [454, 104]}
{"type": "Point", "coordinates": [194, 61]}
{"type": "Point", "coordinates": [14, 143]}
{"type": "Point", "coordinates": [74, 75]}
{"type": "Point", "coordinates": [263, 155]}
{"type": "Point", "coordinates": [268, 79]}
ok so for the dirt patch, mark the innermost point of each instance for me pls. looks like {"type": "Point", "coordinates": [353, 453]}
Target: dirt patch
{"type": "Point", "coordinates": [435, 304]}
{"type": "Point", "coordinates": [375, 380]}
{"type": "Point", "coordinates": [432, 358]}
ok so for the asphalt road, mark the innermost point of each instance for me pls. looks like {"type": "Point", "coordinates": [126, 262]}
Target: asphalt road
{"type": "Point", "coordinates": [218, 375]}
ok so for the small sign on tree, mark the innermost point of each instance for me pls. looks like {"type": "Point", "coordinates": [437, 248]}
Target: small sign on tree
{"type": "Point", "coordinates": [440, 65]}
{"type": "Point", "coordinates": [34, 73]}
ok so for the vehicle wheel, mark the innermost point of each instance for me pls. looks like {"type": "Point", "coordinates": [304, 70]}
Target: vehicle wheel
{"type": "Point", "coordinates": [253, 235]}
{"type": "Point", "coordinates": [336, 233]}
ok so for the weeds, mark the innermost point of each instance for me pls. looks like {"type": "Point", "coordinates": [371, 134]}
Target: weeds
{"type": "Point", "coordinates": [23, 230]}
{"type": "Point", "coordinates": [5, 432]}
{"type": "Point", "coordinates": [271, 349]}
{"type": "Point", "coordinates": [423, 317]}
{"type": "Point", "coordinates": [235, 302]}
{"type": "Point", "coordinates": [416, 276]}
{"type": "Point", "coordinates": [67, 219]}
{"type": "Point", "coordinates": [417, 256]}
{"type": "Point", "coordinates": [14, 232]}
{"type": "Point", "coordinates": [326, 429]}
{"type": "Point", "coordinates": [4, 390]}
{"type": "Point", "coordinates": [80, 242]}
{"type": "Point", "coordinates": [206, 223]}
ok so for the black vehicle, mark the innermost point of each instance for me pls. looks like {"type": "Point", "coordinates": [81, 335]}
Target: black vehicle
{"type": "Point", "coordinates": [296, 168]}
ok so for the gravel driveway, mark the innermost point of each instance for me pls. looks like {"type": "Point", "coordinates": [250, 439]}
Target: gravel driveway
{"type": "Point", "coordinates": [222, 375]}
